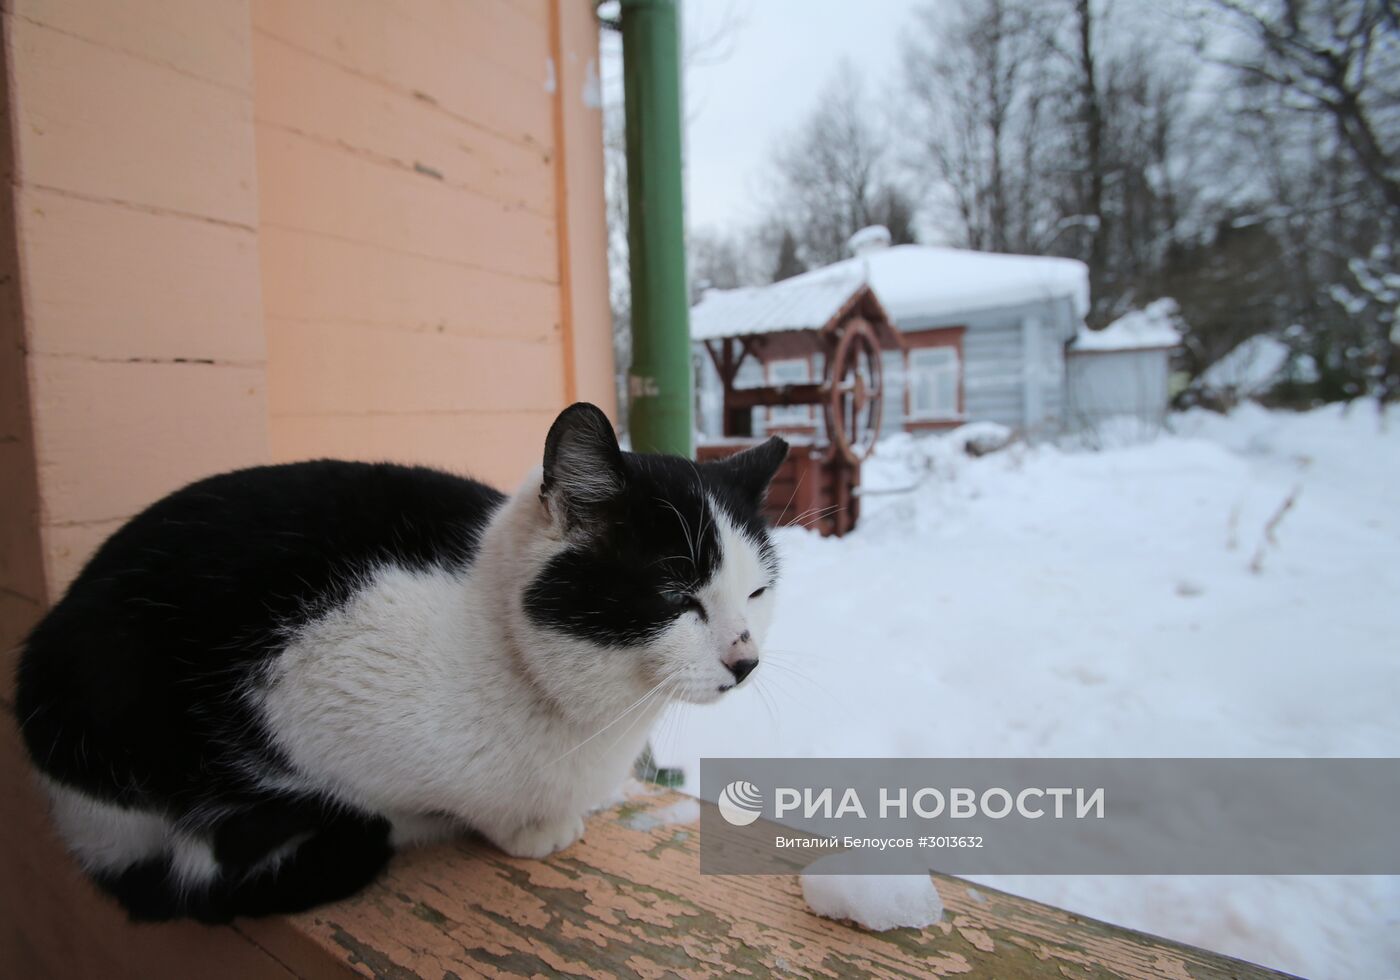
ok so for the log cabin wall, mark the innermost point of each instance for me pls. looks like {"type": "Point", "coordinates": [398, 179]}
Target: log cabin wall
{"type": "Point", "coordinates": [246, 231]}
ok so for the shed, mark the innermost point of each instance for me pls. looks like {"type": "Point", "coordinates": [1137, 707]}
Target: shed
{"type": "Point", "coordinates": [1121, 372]}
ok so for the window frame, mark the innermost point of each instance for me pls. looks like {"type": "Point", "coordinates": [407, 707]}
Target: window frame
{"type": "Point", "coordinates": [952, 368]}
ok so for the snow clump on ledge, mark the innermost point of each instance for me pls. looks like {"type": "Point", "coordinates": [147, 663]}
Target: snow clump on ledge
{"type": "Point", "coordinates": [877, 902]}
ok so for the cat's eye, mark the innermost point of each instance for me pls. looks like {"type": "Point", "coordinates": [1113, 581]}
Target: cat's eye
{"type": "Point", "coordinates": [758, 592]}
{"type": "Point", "coordinates": [684, 602]}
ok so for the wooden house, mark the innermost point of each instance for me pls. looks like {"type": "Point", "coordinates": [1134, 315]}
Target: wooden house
{"type": "Point", "coordinates": [984, 335]}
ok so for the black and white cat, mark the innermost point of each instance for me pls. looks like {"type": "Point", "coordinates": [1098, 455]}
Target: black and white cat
{"type": "Point", "coordinates": [267, 681]}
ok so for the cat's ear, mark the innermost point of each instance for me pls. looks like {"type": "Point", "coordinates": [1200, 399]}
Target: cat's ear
{"type": "Point", "coordinates": [583, 470]}
{"type": "Point", "coordinates": [753, 469]}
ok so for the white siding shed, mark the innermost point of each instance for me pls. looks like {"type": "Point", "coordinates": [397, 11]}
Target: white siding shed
{"type": "Point", "coordinates": [1121, 372]}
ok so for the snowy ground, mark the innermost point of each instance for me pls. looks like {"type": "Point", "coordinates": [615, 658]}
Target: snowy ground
{"type": "Point", "coordinates": [1038, 602]}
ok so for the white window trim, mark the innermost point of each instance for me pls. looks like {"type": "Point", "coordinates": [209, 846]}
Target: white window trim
{"type": "Point", "coordinates": [952, 366]}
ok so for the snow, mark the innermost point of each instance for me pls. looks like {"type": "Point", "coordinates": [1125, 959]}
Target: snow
{"type": "Point", "coordinates": [980, 438]}
{"type": "Point", "coordinates": [878, 902]}
{"type": "Point", "coordinates": [805, 302]}
{"type": "Point", "coordinates": [936, 282]}
{"type": "Point", "coordinates": [912, 282]}
{"type": "Point", "coordinates": [1039, 602]}
{"type": "Point", "coordinates": [1156, 325]}
{"type": "Point", "coordinates": [868, 239]}
{"type": "Point", "coordinates": [1250, 368]}
{"type": "Point", "coordinates": [684, 812]}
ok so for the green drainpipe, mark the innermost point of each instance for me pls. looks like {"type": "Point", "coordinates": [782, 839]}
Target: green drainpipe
{"type": "Point", "coordinates": [659, 382]}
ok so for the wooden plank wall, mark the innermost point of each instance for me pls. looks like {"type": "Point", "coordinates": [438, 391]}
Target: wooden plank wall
{"type": "Point", "coordinates": [133, 361]}
{"type": "Point", "coordinates": [240, 231]}
{"type": "Point", "coordinates": [134, 187]}
{"type": "Point", "coordinates": [413, 205]}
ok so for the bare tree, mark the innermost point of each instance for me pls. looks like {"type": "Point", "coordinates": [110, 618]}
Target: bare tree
{"type": "Point", "coordinates": [833, 174]}
{"type": "Point", "coordinates": [1339, 58]}
{"type": "Point", "coordinates": [1091, 120]}
{"type": "Point", "coordinates": [722, 260]}
{"type": "Point", "coordinates": [1322, 79]}
{"type": "Point", "coordinates": [1049, 128]}
{"type": "Point", "coordinates": [1124, 171]}
{"type": "Point", "coordinates": [1261, 198]}
{"type": "Point", "coordinates": [973, 75]}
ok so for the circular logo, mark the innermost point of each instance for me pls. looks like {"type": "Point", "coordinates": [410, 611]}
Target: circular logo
{"type": "Point", "coordinates": [740, 803]}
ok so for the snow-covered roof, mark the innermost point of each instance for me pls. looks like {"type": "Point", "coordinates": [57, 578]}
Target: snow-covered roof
{"type": "Point", "coordinates": [805, 302]}
{"type": "Point", "coordinates": [1153, 326]}
{"type": "Point", "coordinates": [912, 282]}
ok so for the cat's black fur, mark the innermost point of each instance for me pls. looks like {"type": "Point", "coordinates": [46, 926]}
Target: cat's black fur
{"type": "Point", "coordinates": [127, 688]}
{"type": "Point", "coordinates": [132, 689]}
{"type": "Point", "coordinates": [620, 587]}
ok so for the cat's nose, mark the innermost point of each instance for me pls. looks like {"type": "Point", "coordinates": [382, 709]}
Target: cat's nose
{"type": "Point", "coordinates": [741, 669]}
{"type": "Point", "coordinates": [741, 657]}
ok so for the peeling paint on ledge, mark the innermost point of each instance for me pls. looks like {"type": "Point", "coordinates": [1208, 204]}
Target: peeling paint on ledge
{"type": "Point", "coordinates": [628, 900]}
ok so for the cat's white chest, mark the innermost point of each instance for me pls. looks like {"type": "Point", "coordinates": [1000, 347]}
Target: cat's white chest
{"type": "Point", "coordinates": [404, 700]}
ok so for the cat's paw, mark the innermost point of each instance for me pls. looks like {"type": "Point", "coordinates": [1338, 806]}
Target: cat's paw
{"type": "Point", "coordinates": [539, 841]}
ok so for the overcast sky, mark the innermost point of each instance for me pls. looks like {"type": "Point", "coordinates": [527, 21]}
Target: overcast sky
{"type": "Point", "coordinates": [754, 70]}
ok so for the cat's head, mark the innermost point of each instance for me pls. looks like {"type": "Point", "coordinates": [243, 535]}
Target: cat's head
{"type": "Point", "coordinates": [660, 571]}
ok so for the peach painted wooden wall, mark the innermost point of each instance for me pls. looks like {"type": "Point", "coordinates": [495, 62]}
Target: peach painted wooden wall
{"type": "Point", "coordinates": [240, 232]}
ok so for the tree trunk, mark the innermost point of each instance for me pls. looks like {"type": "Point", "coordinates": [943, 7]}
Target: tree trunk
{"type": "Point", "coordinates": [1091, 115]}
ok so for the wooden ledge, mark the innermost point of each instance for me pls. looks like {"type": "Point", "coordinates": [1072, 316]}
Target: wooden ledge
{"type": "Point", "coordinates": [629, 900]}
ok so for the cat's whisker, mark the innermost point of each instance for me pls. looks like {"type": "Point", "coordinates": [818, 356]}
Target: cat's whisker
{"type": "Point", "coordinates": [785, 665]}
{"type": "Point", "coordinates": [642, 714]}
{"type": "Point", "coordinates": [797, 673]}
{"type": "Point", "coordinates": [791, 498]}
{"type": "Point", "coordinates": [771, 693]}
{"type": "Point", "coordinates": [825, 512]}
{"type": "Point", "coordinates": [798, 517]}
{"type": "Point", "coordinates": [810, 510]}
{"type": "Point", "coordinates": [681, 719]}
{"type": "Point", "coordinates": [785, 672]}
{"type": "Point", "coordinates": [706, 516]}
{"type": "Point", "coordinates": [621, 715]}
{"type": "Point", "coordinates": [676, 731]}
{"type": "Point", "coordinates": [664, 735]}
{"type": "Point", "coordinates": [817, 512]}
{"type": "Point", "coordinates": [783, 661]}
{"type": "Point", "coordinates": [685, 529]}
{"type": "Point", "coordinates": [763, 695]}
{"type": "Point", "coordinates": [805, 515]}
{"type": "Point", "coordinates": [672, 558]}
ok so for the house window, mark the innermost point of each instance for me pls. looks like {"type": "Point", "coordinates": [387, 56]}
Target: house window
{"type": "Point", "coordinates": [933, 383]}
{"type": "Point", "coordinates": [792, 371]}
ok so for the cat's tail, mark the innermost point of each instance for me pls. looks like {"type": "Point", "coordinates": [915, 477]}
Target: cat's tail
{"type": "Point", "coordinates": [244, 869]}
